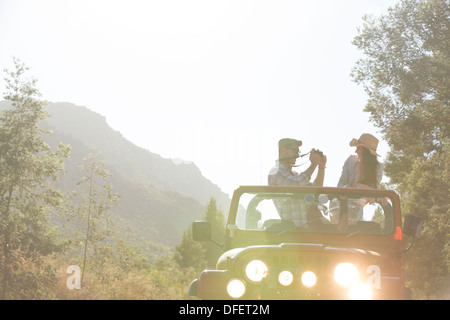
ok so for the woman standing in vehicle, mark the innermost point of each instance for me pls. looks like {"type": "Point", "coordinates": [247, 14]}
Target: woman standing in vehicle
{"type": "Point", "coordinates": [363, 169]}
{"type": "Point", "coordinates": [359, 171]}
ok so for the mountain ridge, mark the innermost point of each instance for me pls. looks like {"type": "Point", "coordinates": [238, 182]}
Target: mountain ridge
{"type": "Point", "coordinates": [164, 173]}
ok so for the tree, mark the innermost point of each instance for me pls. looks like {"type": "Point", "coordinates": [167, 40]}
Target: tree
{"type": "Point", "coordinates": [28, 167]}
{"type": "Point", "coordinates": [405, 73]}
{"type": "Point", "coordinates": [214, 216]}
{"type": "Point", "coordinates": [95, 201]}
{"type": "Point", "coordinates": [190, 253]}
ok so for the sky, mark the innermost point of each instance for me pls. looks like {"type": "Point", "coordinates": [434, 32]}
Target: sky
{"type": "Point", "coordinates": [216, 83]}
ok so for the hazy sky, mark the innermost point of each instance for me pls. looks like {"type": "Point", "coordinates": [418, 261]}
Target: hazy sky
{"type": "Point", "coordinates": [217, 83]}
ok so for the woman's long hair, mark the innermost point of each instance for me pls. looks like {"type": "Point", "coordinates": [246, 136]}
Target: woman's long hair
{"type": "Point", "coordinates": [369, 165]}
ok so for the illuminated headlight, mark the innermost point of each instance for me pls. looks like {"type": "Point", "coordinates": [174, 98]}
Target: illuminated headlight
{"type": "Point", "coordinates": [285, 278]}
{"type": "Point", "coordinates": [236, 288]}
{"type": "Point", "coordinates": [360, 292]}
{"type": "Point", "coordinates": [346, 274]}
{"type": "Point", "coordinates": [256, 270]}
{"type": "Point", "coordinates": [309, 278]}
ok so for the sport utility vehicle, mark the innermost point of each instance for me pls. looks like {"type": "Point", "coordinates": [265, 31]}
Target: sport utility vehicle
{"type": "Point", "coordinates": [309, 243]}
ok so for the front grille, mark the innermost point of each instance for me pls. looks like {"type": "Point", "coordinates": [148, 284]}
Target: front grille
{"type": "Point", "coordinates": [297, 264]}
{"type": "Point", "coordinates": [301, 263]}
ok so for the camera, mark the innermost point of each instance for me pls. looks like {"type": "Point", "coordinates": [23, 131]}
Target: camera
{"type": "Point", "coordinates": [320, 153]}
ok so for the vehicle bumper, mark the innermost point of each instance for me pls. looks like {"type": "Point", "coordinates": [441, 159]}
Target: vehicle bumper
{"type": "Point", "coordinates": [212, 285]}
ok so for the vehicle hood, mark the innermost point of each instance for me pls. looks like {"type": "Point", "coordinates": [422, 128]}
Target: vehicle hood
{"type": "Point", "coordinates": [291, 249]}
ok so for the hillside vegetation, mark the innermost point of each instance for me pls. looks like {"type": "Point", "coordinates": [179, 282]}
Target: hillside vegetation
{"type": "Point", "coordinates": [159, 198]}
{"type": "Point", "coordinates": [85, 214]}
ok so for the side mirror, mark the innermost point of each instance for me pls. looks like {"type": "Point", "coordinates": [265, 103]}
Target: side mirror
{"type": "Point", "coordinates": [201, 231]}
{"type": "Point", "coordinates": [412, 226]}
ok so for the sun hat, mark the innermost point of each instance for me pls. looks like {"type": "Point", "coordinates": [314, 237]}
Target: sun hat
{"type": "Point", "coordinates": [367, 141]}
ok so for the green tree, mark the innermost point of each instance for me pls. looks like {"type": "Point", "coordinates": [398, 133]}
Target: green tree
{"type": "Point", "coordinates": [28, 167]}
{"type": "Point", "coordinates": [95, 200]}
{"type": "Point", "coordinates": [215, 217]}
{"type": "Point", "coordinates": [405, 73]}
{"type": "Point", "coordinates": [193, 254]}
{"type": "Point", "coordinates": [190, 253]}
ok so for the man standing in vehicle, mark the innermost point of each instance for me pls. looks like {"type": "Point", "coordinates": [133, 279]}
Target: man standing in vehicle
{"type": "Point", "coordinates": [295, 210]}
{"type": "Point", "coordinates": [288, 152]}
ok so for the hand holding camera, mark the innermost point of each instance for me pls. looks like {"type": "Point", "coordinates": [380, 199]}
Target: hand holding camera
{"type": "Point", "coordinates": [320, 153]}
{"type": "Point", "coordinates": [318, 158]}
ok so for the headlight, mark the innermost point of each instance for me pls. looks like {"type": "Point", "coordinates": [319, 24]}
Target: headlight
{"type": "Point", "coordinates": [256, 270]}
{"type": "Point", "coordinates": [346, 274]}
{"type": "Point", "coordinates": [236, 288]}
{"type": "Point", "coordinates": [285, 278]}
{"type": "Point", "coordinates": [360, 292]}
{"type": "Point", "coordinates": [309, 278]}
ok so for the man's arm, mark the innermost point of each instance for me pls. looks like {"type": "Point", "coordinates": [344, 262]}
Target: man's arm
{"type": "Point", "coordinates": [320, 161]}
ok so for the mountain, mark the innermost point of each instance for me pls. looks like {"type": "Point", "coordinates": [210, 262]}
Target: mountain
{"type": "Point", "coordinates": [159, 197]}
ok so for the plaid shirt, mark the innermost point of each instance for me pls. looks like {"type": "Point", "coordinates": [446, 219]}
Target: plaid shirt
{"type": "Point", "coordinates": [289, 209]}
{"type": "Point", "coordinates": [281, 176]}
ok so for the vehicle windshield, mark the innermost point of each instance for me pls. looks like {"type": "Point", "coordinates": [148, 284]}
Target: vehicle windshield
{"type": "Point", "coordinates": [318, 213]}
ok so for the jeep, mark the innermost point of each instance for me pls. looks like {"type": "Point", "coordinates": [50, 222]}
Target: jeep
{"type": "Point", "coordinates": [309, 243]}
